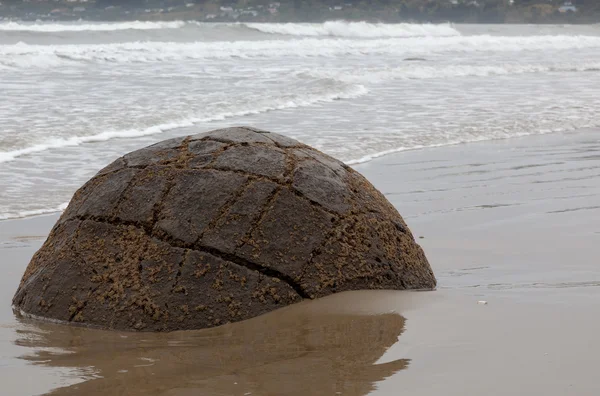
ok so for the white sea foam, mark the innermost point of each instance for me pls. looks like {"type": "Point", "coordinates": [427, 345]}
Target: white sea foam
{"type": "Point", "coordinates": [424, 71]}
{"type": "Point", "coordinates": [460, 139]}
{"type": "Point", "coordinates": [351, 91]}
{"type": "Point", "coordinates": [34, 212]}
{"type": "Point", "coordinates": [76, 27]}
{"type": "Point", "coordinates": [25, 55]}
{"type": "Point", "coordinates": [356, 29]}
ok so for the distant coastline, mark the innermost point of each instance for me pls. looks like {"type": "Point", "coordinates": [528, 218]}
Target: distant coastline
{"type": "Point", "coordinates": [440, 11]}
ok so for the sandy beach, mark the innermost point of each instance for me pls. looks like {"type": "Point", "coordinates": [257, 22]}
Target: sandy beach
{"type": "Point", "coordinates": [511, 223]}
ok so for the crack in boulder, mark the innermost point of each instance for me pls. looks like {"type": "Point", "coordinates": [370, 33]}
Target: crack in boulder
{"type": "Point", "coordinates": [269, 272]}
{"type": "Point", "coordinates": [263, 213]}
{"type": "Point", "coordinates": [224, 210]}
{"type": "Point", "coordinates": [232, 258]}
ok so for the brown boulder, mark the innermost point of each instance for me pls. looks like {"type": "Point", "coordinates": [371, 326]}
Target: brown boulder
{"type": "Point", "coordinates": [202, 230]}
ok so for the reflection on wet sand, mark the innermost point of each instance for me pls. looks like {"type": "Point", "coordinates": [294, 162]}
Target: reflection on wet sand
{"type": "Point", "coordinates": [299, 350]}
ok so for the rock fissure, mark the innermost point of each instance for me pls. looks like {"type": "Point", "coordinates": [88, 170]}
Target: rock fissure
{"type": "Point", "coordinates": [263, 213]}
{"type": "Point", "coordinates": [318, 249]}
{"type": "Point", "coordinates": [123, 197]}
{"type": "Point", "coordinates": [287, 184]}
{"type": "Point", "coordinates": [184, 154]}
{"type": "Point", "coordinates": [313, 202]}
{"type": "Point", "coordinates": [242, 262]}
{"type": "Point", "coordinates": [159, 204]}
{"type": "Point", "coordinates": [217, 153]}
{"type": "Point", "coordinates": [232, 258]}
{"type": "Point", "coordinates": [290, 167]}
{"type": "Point", "coordinates": [174, 288]}
{"type": "Point", "coordinates": [255, 176]}
{"type": "Point", "coordinates": [224, 210]}
{"type": "Point", "coordinates": [231, 144]}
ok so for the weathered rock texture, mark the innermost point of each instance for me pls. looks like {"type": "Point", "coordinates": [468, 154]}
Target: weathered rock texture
{"type": "Point", "coordinates": [202, 230]}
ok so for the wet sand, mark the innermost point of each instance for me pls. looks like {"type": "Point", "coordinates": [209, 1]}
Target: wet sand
{"type": "Point", "coordinates": [513, 223]}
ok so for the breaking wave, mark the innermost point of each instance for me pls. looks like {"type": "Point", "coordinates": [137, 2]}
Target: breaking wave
{"type": "Point", "coordinates": [356, 29]}
{"type": "Point", "coordinates": [25, 55]}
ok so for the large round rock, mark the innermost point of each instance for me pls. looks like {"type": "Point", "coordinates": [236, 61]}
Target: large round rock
{"type": "Point", "coordinates": [202, 230]}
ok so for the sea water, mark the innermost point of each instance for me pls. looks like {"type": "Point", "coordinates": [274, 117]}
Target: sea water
{"type": "Point", "coordinates": [76, 96]}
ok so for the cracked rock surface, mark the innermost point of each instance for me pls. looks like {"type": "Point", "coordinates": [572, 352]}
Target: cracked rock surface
{"type": "Point", "coordinates": [199, 231]}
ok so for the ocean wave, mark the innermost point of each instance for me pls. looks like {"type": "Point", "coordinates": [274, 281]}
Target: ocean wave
{"type": "Point", "coordinates": [355, 29]}
{"type": "Point", "coordinates": [41, 56]}
{"type": "Point", "coordinates": [99, 27]}
{"type": "Point", "coordinates": [336, 93]}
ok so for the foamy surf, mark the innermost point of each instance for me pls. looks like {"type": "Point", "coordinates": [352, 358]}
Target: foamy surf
{"type": "Point", "coordinates": [42, 56]}
{"type": "Point", "coordinates": [450, 142]}
{"type": "Point", "coordinates": [348, 92]}
{"type": "Point", "coordinates": [423, 71]}
{"type": "Point", "coordinates": [82, 27]}
{"type": "Point", "coordinates": [34, 212]}
{"type": "Point", "coordinates": [356, 29]}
